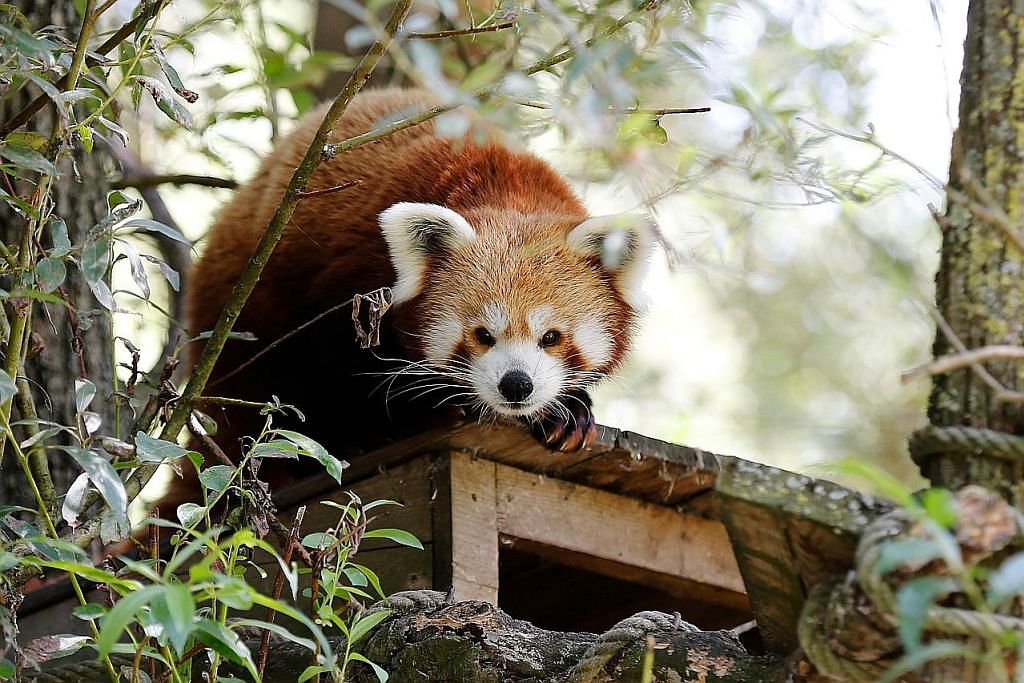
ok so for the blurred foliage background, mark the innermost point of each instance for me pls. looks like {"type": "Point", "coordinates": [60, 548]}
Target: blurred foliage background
{"type": "Point", "coordinates": [797, 272]}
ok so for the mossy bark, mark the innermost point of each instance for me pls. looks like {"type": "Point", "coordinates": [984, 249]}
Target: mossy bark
{"type": "Point", "coordinates": [980, 290]}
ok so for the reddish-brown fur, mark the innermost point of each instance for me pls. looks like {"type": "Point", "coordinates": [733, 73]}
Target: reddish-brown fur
{"type": "Point", "coordinates": [334, 249]}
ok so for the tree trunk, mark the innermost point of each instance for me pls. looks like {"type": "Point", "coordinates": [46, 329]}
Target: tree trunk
{"type": "Point", "coordinates": [80, 199]}
{"type": "Point", "coordinates": [980, 289]}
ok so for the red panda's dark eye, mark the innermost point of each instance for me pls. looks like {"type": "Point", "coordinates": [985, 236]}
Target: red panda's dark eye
{"type": "Point", "coordinates": [483, 336]}
{"type": "Point", "coordinates": [550, 338]}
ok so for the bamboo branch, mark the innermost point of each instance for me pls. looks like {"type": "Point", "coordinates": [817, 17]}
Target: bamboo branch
{"type": "Point", "coordinates": [964, 359]}
{"type": "Point", "coordinates": [298, 184]}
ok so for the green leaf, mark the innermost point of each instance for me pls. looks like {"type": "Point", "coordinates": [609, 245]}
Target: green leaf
{"type": "Point", "coordinates": [397, 535]}
{"type": "Point", "coordinates": [7, 387]}
{"type": "Point", "coordinates": [317, 539]}
{"type": "Point", "coordinates": [7, 669]}
{"type": "Point", "coordinates": [363, 626]}
{"type": "Point", "coordinates": [34, 294]}
{"type": "Point", "coordinates": [311, 671]}
{"type": "Point", "coordinates": [7, 561]}
{"type": "Point", "coordinates": [104, 478]}
{"type": "Point", "coordinates": [174, 609]}
{"type": "Point", "coordinates": [89, 612]}
{"type": "Point", "coordinates": [227, 644]}
{"type": "Point", "coordinates": [29, 139]}
{"type": "Point", "coordinates": [26, 157]}
{"type": "Point", "coordinates": [166, 102]}
{"type": "Point", "coordinates": [190, 514]}
{"type": "Point", "coordinates": [277, 629]}
{"type": "Point", "coordinates": [46, 648]}
{"type": "Point", "coordinates": [125, 611]}
{"type": "Point", "coordinates": [137, 269]}
{"type": "Point", "coordinates": [148, 449]}
{"type": "Point", "coordinates": [95, 260]}
{"type": "Point", "coordinates": [913, 601]}
{"type": "Point", "coordinates": [234, 592]}
{"type": "Point", "coordinates": [50, 273]}
{"type": "Point", "coordinates": [355, 577]}
{"type": "Point", "coordinates": [172, 76]}
{"type": "Point", "coordinates": [103, 294]}
{"type": "Point", "coordinates": [382, 675]}
{"type": "Point", "coordinates": [217, 477]}
{"type": "Point", "coordinates": [170, 274]}
{"type": "Point", "coordinates": [913, 552]}
{"type": "Point", "coordinates": [310, 447]}
{"type": "Point", "coordinates": [84, 393]}
{"type": "Point", "coordinates": [59, 235]}
{"type": "Point", "coordinates": [26, 43]}
{"type": "Point", "coordinates": [150, 225]}
{"type": "Point", "coordinates": [372, 577]}
{"type": "Point", "coordinates": [1008, 580]}
{"type": "Point", "coordinates": [379, 503]}
{"type": "Point", "coordinates": [886, 484]}
{"type": "Point", "coordinates": [940, 505]}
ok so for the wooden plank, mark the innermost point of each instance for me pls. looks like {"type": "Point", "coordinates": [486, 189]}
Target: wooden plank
{"type": "Point", "coordinates": [770, 571]}
{"type": "Point", "coordinates": [789, 532]}
{"type": "Point", "coordinates": [615, 528]}
{"type": "Point", "coordinates": [630, 464]}
{"type": "Point", "coordinates": [465, 527]}
{"type": "Point", "coordinates": [726, 599]}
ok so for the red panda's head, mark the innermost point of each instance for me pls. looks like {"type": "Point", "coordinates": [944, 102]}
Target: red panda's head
{"type": "Point", "coordinates": [515, 308]}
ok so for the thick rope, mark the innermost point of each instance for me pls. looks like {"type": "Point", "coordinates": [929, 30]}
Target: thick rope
{"type": "Point", "coordinates": [627, 632]}
{"type": "Point", "coordinates": [946, 620]}
{"type": "Point", "coordinates": [932, 440]}
{"type": "Point", "coordinates": [815, 644]}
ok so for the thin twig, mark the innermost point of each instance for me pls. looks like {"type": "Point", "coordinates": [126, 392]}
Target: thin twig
{"type": "Point", "coordinates": [999, 392]}
{"type": "Point", "coordinates": [208, 444]}
{"type": "Point", "coordinates": [141, 181]}
{"type": "Point", "coordinates": [147, 12]}
{"type": "Point", "coordinates": [225, 401]}
{"type": "Point", "coordinates": [306, 194]}
{"type": "Point", "coordinates": [653, 113]}
{"type": "Point", "coordinates": [982, 204]}
{"type": "Point", "coordinates": [541, 65]}
{"type": "Point", "coordinates": [280, 340]}
{"type": "Point", "coordinates": [472, 31]}
{"type": "Point", "coordinates": [940, 366]}
{"type": "Point", "coordinates": [290, 544]}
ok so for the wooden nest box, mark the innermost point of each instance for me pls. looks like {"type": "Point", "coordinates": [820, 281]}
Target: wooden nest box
{"type": "Point", "coordinates": [576, 542]}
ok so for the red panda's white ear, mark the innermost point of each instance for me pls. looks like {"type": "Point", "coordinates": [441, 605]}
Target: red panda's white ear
{"type": "Point", "coordinates": [416, 233]}
{"type": "Point", "coordinates": [623, 245]}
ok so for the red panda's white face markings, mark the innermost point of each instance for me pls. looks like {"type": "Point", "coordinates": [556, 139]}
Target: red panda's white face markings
{"type": "Point", "coordinates": [519, 309]}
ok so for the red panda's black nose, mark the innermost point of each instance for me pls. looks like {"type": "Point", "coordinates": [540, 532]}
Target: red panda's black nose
{"type": "Point", "coordinates": [515, 386]}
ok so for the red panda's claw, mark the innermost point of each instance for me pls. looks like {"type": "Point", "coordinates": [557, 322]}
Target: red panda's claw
{"type": "Point", "coordinates": [569, 430]}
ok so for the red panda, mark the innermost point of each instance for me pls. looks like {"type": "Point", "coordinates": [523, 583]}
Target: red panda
{"type": "Point", "coordinates": [509, 301]}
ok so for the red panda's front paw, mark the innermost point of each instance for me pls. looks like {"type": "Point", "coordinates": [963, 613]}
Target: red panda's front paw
{"type": "Point", "coordinates": [568, 425]}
